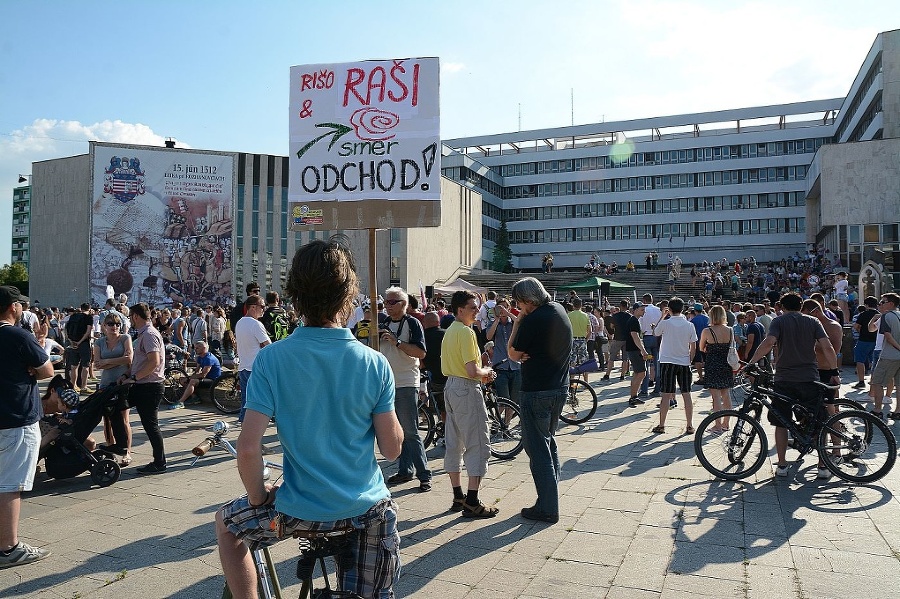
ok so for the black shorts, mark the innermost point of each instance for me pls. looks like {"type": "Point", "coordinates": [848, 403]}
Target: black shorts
{"type": "Point", "coordinates": [636, 359]}
{"type": "Point", "coordinates": [669, 374]}
{"type": "Point", "coordinates": [808, 395]}
{"type": "Point", "coordinates": [79, 356]}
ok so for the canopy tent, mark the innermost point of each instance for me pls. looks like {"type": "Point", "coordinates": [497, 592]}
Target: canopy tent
{"type": "Point", "coordinates": [593, 284]}
{"type": "Point", "coordinates": [460, 285]}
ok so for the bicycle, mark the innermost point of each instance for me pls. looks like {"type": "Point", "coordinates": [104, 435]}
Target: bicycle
{"type": "Point", "coordinates": [581, 402]}
{"type": "Point", "coordinates": [314, 546]}
{"type": "Point", "coordinates": [853, 444]}
{"type": "Point", "coordinates": [504, 424]}
{"type": "Point", "coordinates": [224, 393]}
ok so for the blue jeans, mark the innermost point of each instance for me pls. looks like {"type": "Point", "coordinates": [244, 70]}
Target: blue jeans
{"type": "Point", "coordinates": [412, 453]}
{"type": "Point", "coordinates": [508, 384]}
{"type": "Point", "coordinates": [650, 345]}
{"type": "Point", "coordinates": [539, 411]}
{"type": "Point", "coordinates": [244, 380]}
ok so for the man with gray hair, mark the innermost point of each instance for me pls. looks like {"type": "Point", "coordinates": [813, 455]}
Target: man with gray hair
{"type": "Point", "coordinates": [541, 340]}
{"type": "Point", "coordinates": [209, 369]}
{"type": "Point", "coordinates": [402, 341]}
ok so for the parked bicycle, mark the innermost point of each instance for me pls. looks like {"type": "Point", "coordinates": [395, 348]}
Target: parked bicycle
{"type": "Point", "coordinates": [853, 444]}
{"type": "Point", "coordinates": [224, 393]}
{"type": "Point", "coordinates": [314, 546]}
{"type": "Point", "coordinates": [581, 402]}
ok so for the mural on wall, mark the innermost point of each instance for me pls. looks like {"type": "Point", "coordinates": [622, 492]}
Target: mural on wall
{"type": "Point", "coordinates": [162, 225]}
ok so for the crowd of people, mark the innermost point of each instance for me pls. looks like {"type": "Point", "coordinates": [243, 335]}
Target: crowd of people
{"type": "Point", "coordinates": [525, 344]}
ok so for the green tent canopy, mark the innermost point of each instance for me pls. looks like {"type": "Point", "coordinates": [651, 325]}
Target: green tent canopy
{"type": "Point", "coordinates": [593, 284]}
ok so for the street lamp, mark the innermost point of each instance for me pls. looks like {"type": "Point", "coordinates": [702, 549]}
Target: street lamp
{"type": "Point", "coordinates": [23, 178]}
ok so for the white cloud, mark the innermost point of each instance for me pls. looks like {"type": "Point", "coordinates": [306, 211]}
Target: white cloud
{"type": "Point", "coordinates": [45, 139]}
{"type": "Point", "coordinates": [452, 67]}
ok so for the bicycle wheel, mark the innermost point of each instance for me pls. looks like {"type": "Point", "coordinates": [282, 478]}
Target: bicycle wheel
{"type": "Point", "coordinates": [580, 404]}
{"type": "Point", "coordinates": [425, 424]}
{"type": "Point", "coordinates": [174, 384]}
{"type": "Point", "coordinates": [226, 393]}
{"type": "Point", "coordinates": [505, 429]}
{"type": "Point", "coordinates": [736, 453]}
{"type": "Point", "coordinates": [857, 446]}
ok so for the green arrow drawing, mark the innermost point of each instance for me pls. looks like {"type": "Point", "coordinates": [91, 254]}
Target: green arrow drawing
{"type": "Point", "coordinates": [337, 130]}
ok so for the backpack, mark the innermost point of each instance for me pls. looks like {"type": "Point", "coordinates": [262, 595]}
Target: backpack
{"type": "Point", "coordinates": [276, 323]}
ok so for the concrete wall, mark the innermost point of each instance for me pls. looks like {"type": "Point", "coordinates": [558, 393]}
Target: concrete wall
{"type": "Point", "coordinates": [890, 69]}
{"type": "Point", "coordinates": [60, 231]}
{"type": "Point", "coordinates": [860, 182]}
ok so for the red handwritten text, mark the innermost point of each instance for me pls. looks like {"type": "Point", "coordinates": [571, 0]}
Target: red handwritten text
{"type": "Point", "coordinates": [396, 84]}
{"type": "Point", "coordinates": [323, 79]}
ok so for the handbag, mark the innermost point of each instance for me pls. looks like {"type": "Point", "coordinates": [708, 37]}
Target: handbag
{"type": "Point", "coordinates": [733, 360]}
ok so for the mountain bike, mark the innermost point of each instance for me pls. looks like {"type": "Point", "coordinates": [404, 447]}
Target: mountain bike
{"type": "Point", "coordinates": [854, 445]}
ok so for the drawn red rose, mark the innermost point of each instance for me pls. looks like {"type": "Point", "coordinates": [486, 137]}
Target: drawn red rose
{"type": "Point", "coordinates": [374, 124]}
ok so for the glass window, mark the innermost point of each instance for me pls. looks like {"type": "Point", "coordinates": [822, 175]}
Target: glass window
{"type": "Point", "coordinates": [871, 234]}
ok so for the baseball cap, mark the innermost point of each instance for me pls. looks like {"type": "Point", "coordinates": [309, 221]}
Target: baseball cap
{"type": "Point", "coordinates": [636, 305]}
{"type": "Point", "coordinates": [698, 307]}
{"type": "Point", "coordinates": [69, 397]}
{"type": "Point", "coordinates": [10, 294]}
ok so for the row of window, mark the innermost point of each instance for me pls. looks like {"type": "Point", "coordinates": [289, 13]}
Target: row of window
{"type": "Point", "coordinates": [684, 180]}
{"type": "Point", "coordinates": [867, 119]}
{"type": "Point", "coordinates": [874, 70]}
{"type": "Point", "coordinates": [757, 150]}
{"type": "Point", "coordinates": [694, 204]}
{"type": "Point", "coordinates": [671, 231]}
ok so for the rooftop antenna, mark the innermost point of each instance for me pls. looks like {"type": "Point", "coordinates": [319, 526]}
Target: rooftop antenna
{"type": "Point", "coordinates": [520, 116]}
{"type": "Point", "coordinates": [572, 100]}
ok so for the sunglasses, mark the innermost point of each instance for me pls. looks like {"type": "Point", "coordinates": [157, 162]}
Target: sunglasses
{"type": "Point", "coordinates": [393, 302]}
{"type": "Point", "coordinates": [111, 323]}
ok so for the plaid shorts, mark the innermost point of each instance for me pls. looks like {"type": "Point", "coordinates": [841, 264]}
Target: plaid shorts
{"type": "Point", "coordinates": [375, 564]}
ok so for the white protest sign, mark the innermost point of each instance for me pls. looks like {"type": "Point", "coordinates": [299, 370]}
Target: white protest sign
{"type": "Point", "coordinates": [365, 131]}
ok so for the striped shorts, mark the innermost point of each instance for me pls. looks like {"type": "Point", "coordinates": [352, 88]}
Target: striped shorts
{"type": "Point", "coordinates": [375, 564]}
{"type": "Point", "coordinates": [669, 374]}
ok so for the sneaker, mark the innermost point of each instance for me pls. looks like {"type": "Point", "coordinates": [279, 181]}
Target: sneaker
{"type": "Point", "coordinates": [673, 404]}
{"type": "Point", "coordinates": [894, 416]}
{"type": "Point", "coordinates": [151, 468]}
{"type": "Point", "coordinates": [22, 554]}
{"type": "Point", "coordinates": [175, 406]}
{"type": "Point", "coordinates": [605, 377]}
{"type": "Point", "coordinates": [193, 400]}
{"type": "Point", "coordinates": [643, 394]}
{"type": "Point", "coordinates": [424, 486]}
{"type": "Point", "coordinates": [530, 513]}
{"type": "Point", "coordinates": [399, 479]}
{"type": "Point", "coordinates": [878, 414]}
{"type": "Point", "coordinates": [824, 474]}
{"type": "Point", "coordinates": [782, 470]}
{"type": "Point", "coordinates": [634, 402]}
{"type": "Point", "coordinates": [860, 385]}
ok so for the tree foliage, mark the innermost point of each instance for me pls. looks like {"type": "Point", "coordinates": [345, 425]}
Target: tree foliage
{"type": "Point", "coordinates": [502, 256]}
{"type": "Point", "coordinates": [13, 273]}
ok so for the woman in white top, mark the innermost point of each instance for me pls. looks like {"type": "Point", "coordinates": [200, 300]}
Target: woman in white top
{"type": "Point", "coordinates": [216, 329]}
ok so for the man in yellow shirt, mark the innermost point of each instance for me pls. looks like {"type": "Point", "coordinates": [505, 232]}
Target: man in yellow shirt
{"type": "Point", "coordinates": [466, 433]}
{"type": "Point", "coordinates": [581, 328]}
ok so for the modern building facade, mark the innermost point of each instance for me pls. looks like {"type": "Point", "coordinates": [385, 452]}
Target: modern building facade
{"type": "Point", "coordinates": [730, 183]}
{"type": "Point", "coordinates": [21, 224]}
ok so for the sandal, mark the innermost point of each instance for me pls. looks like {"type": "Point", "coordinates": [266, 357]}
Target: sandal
{"type": "Point", "coordinates": [457, 505]}
{"type": "Point", "coordinates": [478, 511]}
{"type": "Point", "coordinates": [125, 460]}
{"type": "Point", "coordinates": [689, 430]}
{"type": "Point", "coordinates": [659, 429]}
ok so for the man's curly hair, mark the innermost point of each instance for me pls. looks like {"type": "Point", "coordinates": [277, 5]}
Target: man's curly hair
{"type": "Point", "coordinates": [322, 281]}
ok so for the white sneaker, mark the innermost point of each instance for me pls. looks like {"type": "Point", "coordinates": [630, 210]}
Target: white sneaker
{"type": "Point", "coordinates": [782, 470]}
{"type": "Point", "coordinates": [22, 554]}
{"type": "Point", "coordinates": [824, 474]}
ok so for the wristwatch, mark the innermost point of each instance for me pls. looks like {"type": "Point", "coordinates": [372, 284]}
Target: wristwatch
{"type": "Point", "coordinates": [398, 343]}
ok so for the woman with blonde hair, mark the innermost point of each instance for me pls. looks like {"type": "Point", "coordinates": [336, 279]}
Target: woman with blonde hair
{"type": "Point", "coordinates": [113, 353]}
{"type": "Point", "coordinates": [715, 340]}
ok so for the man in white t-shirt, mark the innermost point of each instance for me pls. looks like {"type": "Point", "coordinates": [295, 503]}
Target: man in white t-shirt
{"type": "Point", "coordinates": [652, 315]}
{"type": "Point", "coordinates": [678, 342]}
{"type": "Point", "coordinates": [250, 336]}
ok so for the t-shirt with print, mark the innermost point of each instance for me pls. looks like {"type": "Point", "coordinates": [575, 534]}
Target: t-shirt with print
{"type": "Point", "coordinates": [405, 367]}
{"type": "Point", "coordinates": [19, 402]}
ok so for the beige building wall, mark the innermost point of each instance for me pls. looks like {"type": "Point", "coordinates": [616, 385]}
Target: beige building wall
{"type": "Point", "coordinates": [60, 231]}
{"type": "Point", "coordinates": [859, 184]}
{"type": "Point", "coordinates": [890, 70]}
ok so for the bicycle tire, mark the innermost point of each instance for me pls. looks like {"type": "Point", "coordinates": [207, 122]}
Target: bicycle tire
{"type": "Point", "coordinates": [581, 402]}
{"type": "Point", "coordinates": [724, 455]}
{"type": "Point", "coordinates": [505, 429]}
{"type": "Point", "coordinates": [425, 424]}
{"type": "Point", "coordinates": [173, 385]}
{"type": "Point", "coordinates": [226, 393]}
{"type": "Point", "coordinates": [866, 446]}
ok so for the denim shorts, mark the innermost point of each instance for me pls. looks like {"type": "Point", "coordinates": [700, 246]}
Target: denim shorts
{"type": "Point", "coordinates": [18, 457]}
{"type": "Point", "coordinates": [375, 567]}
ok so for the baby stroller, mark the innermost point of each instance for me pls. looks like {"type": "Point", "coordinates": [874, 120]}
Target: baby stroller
{"type": "Point", "coordinates": [67, 457]}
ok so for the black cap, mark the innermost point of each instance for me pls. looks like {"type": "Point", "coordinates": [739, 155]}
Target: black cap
{"type": "Point", "coordinates": [10, 295]}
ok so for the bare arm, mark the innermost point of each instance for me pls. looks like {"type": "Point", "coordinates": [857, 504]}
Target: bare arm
{"type": "Point", "coordinates": [639, 341]}
{"type": "Point", "coordinates": [473, 371]}
{"type": "Point", "coordinates": [829, 353]}
{"type": "Point", "coordinates": [44, 371]}
{"type": "Point", "coordinates": [765, 347]}
{"type": "Point", "coordinates": [388, 434]}
{"type": "Point", "coordinates": [413, 351]}
{"type": "Point", "coordinates": [512, 352]}
{"type": "Point", "coordinates": [249, 457]}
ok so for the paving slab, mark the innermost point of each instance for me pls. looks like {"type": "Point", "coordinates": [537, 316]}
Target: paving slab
{"type": "Point", "coordinates": [640, 518]}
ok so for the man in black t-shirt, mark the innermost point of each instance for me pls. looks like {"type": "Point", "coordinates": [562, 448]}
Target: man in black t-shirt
{"type": "Point", "coordinates": [636, 352]}
{"type": "Point", "coordinates": [434, 337]}
{"type": "Point", "coordinates": [541, 339]}
{"type": "Point", "coordinates": [275, 318]}
{"type": "Point", "coordinates": [238, 312]}
{"type": "Point", "coordinates": [865, 347]}
{"type": "Point", "coordinates": [22, 363]}
{"type": "Point", "coordinates": [78, 353]}
{"type": "Point", "coordinates": [619, 322]}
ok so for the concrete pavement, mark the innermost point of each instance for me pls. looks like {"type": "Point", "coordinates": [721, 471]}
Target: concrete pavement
{"type": "Point", "coordinates": [640, 519]}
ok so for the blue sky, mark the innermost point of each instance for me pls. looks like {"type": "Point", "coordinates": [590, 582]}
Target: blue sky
{"type": "Point", "coordinates": [213, 74]}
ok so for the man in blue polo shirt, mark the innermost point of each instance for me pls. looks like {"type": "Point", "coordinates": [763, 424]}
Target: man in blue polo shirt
{"type": "Point", "coordinates": [208, 372]}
